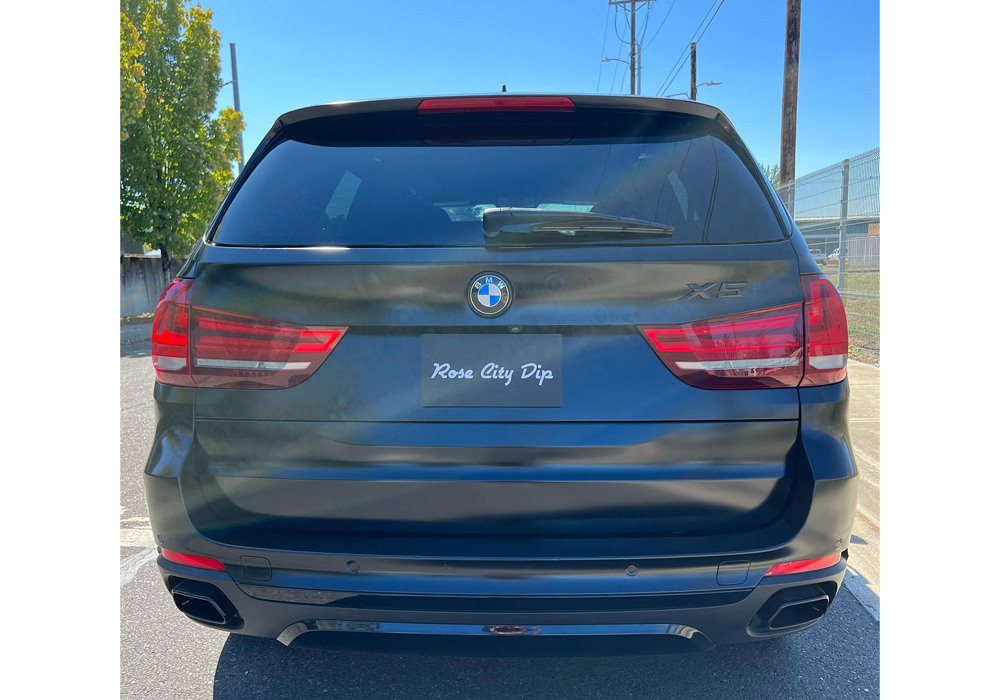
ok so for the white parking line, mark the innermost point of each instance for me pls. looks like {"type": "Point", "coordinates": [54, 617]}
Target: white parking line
{"type": "Point", "coordinates": [130, 565]}
{"type": "Point", "coordinates": [136, 537]}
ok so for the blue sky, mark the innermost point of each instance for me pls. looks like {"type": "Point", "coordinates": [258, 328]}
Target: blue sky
{"type": "Point", "coordinates": [309, 52]}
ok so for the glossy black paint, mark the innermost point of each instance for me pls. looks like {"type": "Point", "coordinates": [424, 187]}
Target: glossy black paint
{"type": "Point", "coordinates": [622, 512]}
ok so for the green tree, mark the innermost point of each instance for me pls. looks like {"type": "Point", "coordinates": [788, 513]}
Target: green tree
{"type": "Point", "coordinates": [133, 93]}
{"type": "Point", "coordinates": [176, 156]}
{"type": "Point", "coordinates": [771, 171]}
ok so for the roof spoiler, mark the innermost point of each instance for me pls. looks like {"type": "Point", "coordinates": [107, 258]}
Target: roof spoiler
{"type": "Point", "coordinates": [412, 104]}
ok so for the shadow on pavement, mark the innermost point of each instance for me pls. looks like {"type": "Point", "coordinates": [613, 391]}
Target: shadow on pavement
{"type": "Point", "coordinates": [252, 668]}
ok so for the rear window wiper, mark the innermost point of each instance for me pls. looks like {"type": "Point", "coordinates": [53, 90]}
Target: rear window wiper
{"type": "Point", "coordinates": [557, 225]}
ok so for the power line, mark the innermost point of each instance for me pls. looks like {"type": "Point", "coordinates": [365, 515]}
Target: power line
{"type": "Point", "coordinates": [696, 41]}
{"type": "Point", "coordinates": [664, 21]}
{"type": "Point", "coordinates": [614, 76]}
{"type": "Point", "coordinates": [616, 23]}
{"type": "Point", "coordinates": [600, 69]}
{"type": "Point", "coordinates": [711, 20]}
{"type": "Point", "coordinates": [645, 24]}
{"type": "Point", "coordinates": [682, 59]}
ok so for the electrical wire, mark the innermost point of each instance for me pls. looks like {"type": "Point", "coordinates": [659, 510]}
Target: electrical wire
{"type": "Point", "coordinates": [645, 24]}
{"type": "Point", "coordinates": [681, 61]}
{"type": "Point", "coordinates": [682, 58]}
{"type": "Point", "coordinates": [604, 45]}
{"type": "Point", "coordinates": [662, 22]}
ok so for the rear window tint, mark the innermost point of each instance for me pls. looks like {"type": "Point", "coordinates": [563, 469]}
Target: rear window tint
{"type": "Point", "coordinates": [742, 201]}
{"type": "Point", "coordinates": [305, 194]}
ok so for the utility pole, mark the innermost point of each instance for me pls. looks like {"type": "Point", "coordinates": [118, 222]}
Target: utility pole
{"type": "Point", "coordinates": [631, 54]}
{"type": "Point", "coordinates": [639, 88]}
{"type": "Point", "coordinates": [632, 46]}
{"type": "Point", "coordinates": [694, 71]}
{"type": "Point", "coordinates": [236, 94]}
{"type": "Point", "coordinates": [845, 192]}
{"type": "Point", "coordinates": [790, 95]}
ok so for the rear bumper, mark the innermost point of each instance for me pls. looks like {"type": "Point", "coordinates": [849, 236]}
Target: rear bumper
{"type": "Point", "coordinates": [704, 590]}
{"type": "Point", "coordinates": [556, 605]}
{"type": "Point", "coordinates": [534, 604]}
{"type": "Point", "coordinates": [355, 619]}
{"type": "Point", "coordinates": [467, 601]}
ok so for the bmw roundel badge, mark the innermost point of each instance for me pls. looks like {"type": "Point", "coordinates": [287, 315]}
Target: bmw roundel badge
{"type": "Point", "coordinates": [490, 294]}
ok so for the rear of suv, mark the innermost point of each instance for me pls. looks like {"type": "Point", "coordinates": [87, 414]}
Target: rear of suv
{"type": "Point", "coordinates": [502, 370]}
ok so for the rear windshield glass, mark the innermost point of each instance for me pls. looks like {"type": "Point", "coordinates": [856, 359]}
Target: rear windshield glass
{"type": "Point", "coordinates": [304, 194]}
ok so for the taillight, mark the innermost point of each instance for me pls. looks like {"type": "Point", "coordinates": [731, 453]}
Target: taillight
{"type": "Point", "coordinates": [514, 103]}
{"type": "Point", "coordinates": [783, 346]}
{"type": "Point", "coordinates": [749, 350]}
{"type": "Point", "coordinates": [826, 332]}
{"type": "Point", "coordinates": [193, 560]}
{"type": "Point", "coordinates": [803, 565]}
{"type": "Point", "coordinates": [170, 334]}
{"type": "Point", "coordinates": [195, 346]}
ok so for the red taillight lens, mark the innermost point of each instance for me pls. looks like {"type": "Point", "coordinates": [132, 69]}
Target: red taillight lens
{"type": "Point", "coordinates": [522, 103]}
{"type": "Point", "coordinates": [193, 560]}
{"type": "Point", "coordinates": [170, 334]}
{"type": "Point", "coordinates": [826, 332]}
{"type": "Point", "coordinates": [246, 352]}
{"type": "Point", "coordinates": [803, 565]}
{"type": "Point", "coordinates": [751, 350]}
{"type": "Point", "coordinates": [195, 346]}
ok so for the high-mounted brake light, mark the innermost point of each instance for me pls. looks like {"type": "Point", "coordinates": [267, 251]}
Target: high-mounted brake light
{"type": "Point", "coordinates": [803, 565]}
{"type": "Point", "coordinates": [193, 560]}
{"type": "Point", "coordinates": [514, 103]}
{"type": "Point", "coordinates": [826, 332]}
{"type": "Point", "coordinates": [750, 350]}
{"type": "Point", "coordinates": [199, 347]}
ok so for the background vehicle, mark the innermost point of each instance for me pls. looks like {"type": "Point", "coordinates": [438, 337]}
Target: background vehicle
{"type": "Point", "coordinates": [818, 255]}
{"type": "Point", "coordinates": [343, 454]}
{"type": "Point", "coordinates": [834, 256]}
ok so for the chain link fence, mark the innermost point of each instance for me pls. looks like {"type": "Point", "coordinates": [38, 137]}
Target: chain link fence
{"type": "Point", "coordinates": [837, 210]}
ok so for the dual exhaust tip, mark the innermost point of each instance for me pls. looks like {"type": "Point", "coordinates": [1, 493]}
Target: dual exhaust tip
{"type": "Point", "coordinates": [793, 608]}
{"type": "Point", "coordinates": [204, 603]}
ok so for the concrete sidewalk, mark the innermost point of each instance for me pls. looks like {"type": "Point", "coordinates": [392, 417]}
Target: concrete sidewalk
{"type": "Point", "coordinates": [863, 570]}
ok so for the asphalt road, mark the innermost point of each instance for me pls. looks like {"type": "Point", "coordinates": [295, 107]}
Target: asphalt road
{"type": "Point", "coordinates": [165, 656]}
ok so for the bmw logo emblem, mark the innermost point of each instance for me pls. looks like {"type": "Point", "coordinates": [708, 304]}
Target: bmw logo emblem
{"type": "Point", "coordinates": [490, 294]}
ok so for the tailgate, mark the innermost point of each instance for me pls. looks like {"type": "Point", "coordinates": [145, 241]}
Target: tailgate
{"type": "Point", "coordinates": [624, 449]}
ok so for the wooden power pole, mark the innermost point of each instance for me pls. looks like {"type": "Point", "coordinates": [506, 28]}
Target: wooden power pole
{"type": "Point", "coordinates": [790, 92]}
{"type": "Point", "coordinates": [694, 71]}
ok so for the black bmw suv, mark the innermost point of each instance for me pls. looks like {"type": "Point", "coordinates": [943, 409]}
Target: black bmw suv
{"type": "Point", "coordinates": [503, 370]}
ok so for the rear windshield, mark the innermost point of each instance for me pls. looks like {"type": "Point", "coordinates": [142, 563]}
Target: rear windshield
{"type": "Point", "coordinates": [415, 194]}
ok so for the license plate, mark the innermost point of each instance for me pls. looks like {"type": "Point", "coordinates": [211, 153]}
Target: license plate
{"type": "Point", "coordinates": [491, 370]}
